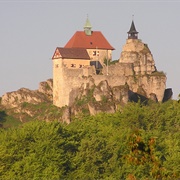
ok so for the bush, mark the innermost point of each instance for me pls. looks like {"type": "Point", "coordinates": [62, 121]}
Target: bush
{"type": "Point", "coordinates": [138, 142]}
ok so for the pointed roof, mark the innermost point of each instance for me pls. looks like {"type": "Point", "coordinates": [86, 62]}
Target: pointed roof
{"type": "Point", "coordinates": [132, 33]}
{"type": "Point", "coordinates": [87, 24]}
{"type": "Point", "coordinates": [71, 53]}
{"type": "Point", "coordinates": [87, 27]}
{"type": "Point", "coordinates": [95, 41]}
{"type": "Point", "coordinates": [132, 29]}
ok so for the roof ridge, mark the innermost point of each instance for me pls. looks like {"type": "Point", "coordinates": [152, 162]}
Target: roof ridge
{"type": "Point", "coordinates": [97, 39]}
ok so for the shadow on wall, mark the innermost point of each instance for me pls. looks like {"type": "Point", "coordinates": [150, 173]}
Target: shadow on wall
{"type": "Point", "coordinates": [2, 118]}
{"type": "Point", "coordinates": [167, 95]}
{"type": "Point", "coordinates": [135, 97]}
{"type": "Point", "coordinates": [97, 66]}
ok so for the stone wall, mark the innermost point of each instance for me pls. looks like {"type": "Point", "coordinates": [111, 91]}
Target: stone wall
{"type": "Point", "coordinates": [136, 68]}
{"type": "Point", "coordinates": [149, 84]}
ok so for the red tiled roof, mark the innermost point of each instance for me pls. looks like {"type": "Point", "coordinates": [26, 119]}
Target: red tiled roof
{"type": "Point", "coordinates": [71, 53]}
{"type": "Point", "coordinates": [95, 40]}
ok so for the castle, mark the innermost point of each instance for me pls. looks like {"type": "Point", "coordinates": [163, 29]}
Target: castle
{"type": "Point", "coordinates": [82, 59]}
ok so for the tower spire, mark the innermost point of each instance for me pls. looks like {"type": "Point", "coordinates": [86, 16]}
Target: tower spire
{"type": "Point", "coordinates": [87, 27]}
{"type": "Point", "coordinates": [132, 33]}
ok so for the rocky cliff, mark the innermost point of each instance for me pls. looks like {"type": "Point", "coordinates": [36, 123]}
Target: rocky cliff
{"type": "Point", "coordinates": [133, 78]}
{"type": "Point", "coordinates": [15, 98]}
{"type": "Point", "coordinates": [137, 53]}
{"type": "Point", "coordinates": [95, 98]}
{"type": "Point", "coordinates": [92, 98]}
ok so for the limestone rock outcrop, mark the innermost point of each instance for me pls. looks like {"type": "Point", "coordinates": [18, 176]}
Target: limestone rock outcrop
{"type": "Point", "coordinates": [96, 108]}
{"type": "Point", "coordinates": [138, 54]}
{"type": "Point", "coordinates": [15, 98]}
{"type": "Point", "coordinates": [99, 98]}
{"type": "Point", "coordinates": [120, 94]}
{"type": "Point", "coordinates": [102, 91]}
{"type": "Point", "coordinates": [66, 115]}
{"type": "Point", "coordinates": [147, 80]}
{"type": "Point", "coordinates": [46, 87]}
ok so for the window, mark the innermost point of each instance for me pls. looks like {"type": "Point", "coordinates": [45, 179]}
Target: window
{"type": "Point", "coordinates": [94, 53]}
{"type": "Point", "coordinates": [73, 65]}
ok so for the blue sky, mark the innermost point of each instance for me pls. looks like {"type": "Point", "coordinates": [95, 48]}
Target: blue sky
{"type": "Point", "coordinates": [31, 30]}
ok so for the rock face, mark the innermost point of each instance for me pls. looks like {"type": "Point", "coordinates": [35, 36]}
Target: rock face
{"type": "Point", "coordinates": [102, 91]}
{"type": "Point", "coordinates": [148, 80]}
{"type": "Point", "coordinates": [66, 116]}
{"type": "Point", "coordinates": [138, 54]}
{"type": "Point", "coordinates": [46, 87]}
{"type": "Point", "coordinates": [99, 98]}
{"type": "Point", "coordinates": [15, 98]}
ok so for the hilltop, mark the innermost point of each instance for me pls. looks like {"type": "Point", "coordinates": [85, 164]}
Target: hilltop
{"type": "Point", "coordinates": [26, 105]}
{"type": "Point", "coordinates": [87, 81]}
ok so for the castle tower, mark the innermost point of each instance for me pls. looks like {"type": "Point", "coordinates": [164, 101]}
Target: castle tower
{"type": "Point", "coordinates": [87, 27]}
{"type": "Point", "coordinates": [132, 33]}
{"type": "Point", "coordinates": [58, 80]}
{"type": "Point", "coordinates": [137, 53]}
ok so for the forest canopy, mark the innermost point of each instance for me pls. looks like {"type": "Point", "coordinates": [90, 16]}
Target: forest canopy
{"type": "Point", "coordinates": [137, 142]}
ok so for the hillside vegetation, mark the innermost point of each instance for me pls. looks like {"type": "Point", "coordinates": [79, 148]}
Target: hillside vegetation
{"type": "Point", "coordinates": [137, 142]}
{"type": "Point", "coordinates": [29, 112]}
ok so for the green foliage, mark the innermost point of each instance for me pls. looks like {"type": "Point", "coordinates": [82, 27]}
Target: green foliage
{"type": "Point", "coordinates": [85, 99]}
{"type": "Point", "coordinates": [104, 99]}
{"type": "Point", "coordinates": [28, 112]}
{"type": "Point", "coordinates": [114, 61]}
{"type": "Point", "coordinates": [138, 142]}
{"type": "Point", "coordinates": [7, 121]}
{"type": "Point", "coordinates": [38, 150]}
{"type": "Point", "coordinates": [109, 62]}
{"type": "Point", "coordinates": [158, 73]}
{"type": "Point", "coordinates": [106, 61]}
